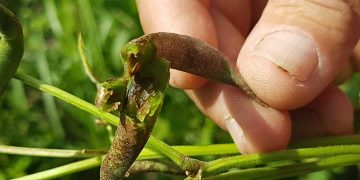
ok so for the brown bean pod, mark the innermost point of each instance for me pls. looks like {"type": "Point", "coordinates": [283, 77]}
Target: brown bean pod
{"type": "Point", "coordinates": [129, 140]}
{"type": "Point", "coordinates": [194, 56]}
{"type": "Point", "coordinates": [141, 92]}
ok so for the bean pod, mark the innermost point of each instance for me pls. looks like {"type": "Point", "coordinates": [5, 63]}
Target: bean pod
{"type": "Point", "coordinates": [11, 46]}
{"type": "Point", "coordinates": [140, 93]}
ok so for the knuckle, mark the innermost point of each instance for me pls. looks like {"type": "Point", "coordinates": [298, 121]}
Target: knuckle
{"type": "Point", "coordinates": [354, 5]}
{"type": "Point", "coordinates": [338, 19]}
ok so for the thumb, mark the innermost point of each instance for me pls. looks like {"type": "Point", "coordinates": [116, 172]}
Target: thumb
{"type": "Point", "coordinates": [297, 48]}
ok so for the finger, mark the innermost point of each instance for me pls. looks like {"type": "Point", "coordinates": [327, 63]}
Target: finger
{"type": "Point", "coordinates": [249, 124]}
{"type": "Point", "coordinates": [238, 12]}
{"type": "Point", "coordinates": [297, 48]}
{"type": "Point", "coordinates": [330, 113]}
{"type": "Point", "coordinates": [182, 17]}
{"type": "Point", "coordinates": [257, 7]}
{"type": "Point", "coordinates": [230, 38]}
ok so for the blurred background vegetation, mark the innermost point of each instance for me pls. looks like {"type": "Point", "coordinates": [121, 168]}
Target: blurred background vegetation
{"type": "Point", "coordinates": [30, 118]}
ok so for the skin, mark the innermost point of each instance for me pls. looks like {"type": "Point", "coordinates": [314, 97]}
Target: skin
{"type": "Point", "coordinates": [237, 28]}
{"type": "Point", "coordinates": [11, 46]}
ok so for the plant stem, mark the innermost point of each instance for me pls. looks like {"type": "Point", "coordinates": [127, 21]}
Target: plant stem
{"type": "Point", "coordinates": [59, 153]}
{"type": "Point", "coordinates": [193, 165]}
{"type": "Point", "coordinates": [180, 159]}
{"type": "Point", "coordinates": [215, 149]}
{"type": "Point", "coordinates": [326, 141]}
{"type": "Point", "coordinates": [67, 97]}
{"type": "Point", "coordinates": [273, 172]}
{"type": "Point", "coordinates": [250, 160]}
{"type": "Point", "coordinates": [137, 167]}
{"type": "Point", "coordinates": [64, 170]}
{"type": "Point", "coordinates": [89, 30]}
{"type": "Point", "coordinates": [146, 153]}
{"type": "Point", "coordinates": [85, 61]}
{"type": "Point", "coordinates": [184, 162]}
{"type": "Point", "coordinates": [154, 166]}
{"type": "Point", "coordinates": [290, 170]}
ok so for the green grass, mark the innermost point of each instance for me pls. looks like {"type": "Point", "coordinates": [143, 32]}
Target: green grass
{"type": "Point", "coordinates": [31, 118]}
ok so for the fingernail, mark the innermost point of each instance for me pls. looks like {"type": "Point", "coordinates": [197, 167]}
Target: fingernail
{"type": "Point", "coordinates": [292, 52]}
{"type": "Point", "coordinates": [236, 133]}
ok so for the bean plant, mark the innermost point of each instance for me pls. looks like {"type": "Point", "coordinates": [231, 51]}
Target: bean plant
{"type": "Point", "coordinates": [130, 94]}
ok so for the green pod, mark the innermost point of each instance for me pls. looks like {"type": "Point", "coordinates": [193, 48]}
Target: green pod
{"type": "Point", "coordinates": [11, 46]}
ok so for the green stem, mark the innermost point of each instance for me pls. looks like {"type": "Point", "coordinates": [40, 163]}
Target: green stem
{"type": "Point", "coordinates": [215, 149]}
{"type": "Point", "coordinates": [290, 170]}
{"type": "Point", "coordinates": [271, 172]}
{"type": "Point", "coordinates": [59, 153]}
{"type": "Point", "coordinates": [187, 163]}
{"type": "Point", "coordinates": [251, 160]}
{"type": "Point", "coordinates": [137, 167]}
{"type": "Point", "coordinates": [65, 170]}
{"type": "Point", "coordinates": [184, 162]}
{"type": "Point", "coordinates": [180, 159]}
{"type": "Point", "coordinates": [67, 97]}
{"type": "Point", "coordinates": [89, 29]}
{"type": "Point", "coordinates": [326, 141]}
{"type": "Point", "coordinates": [85, 61]}
{"type": "Point", "coordinates": [146, 153]}
{"type": "Point", "coordinates": [212, 167]}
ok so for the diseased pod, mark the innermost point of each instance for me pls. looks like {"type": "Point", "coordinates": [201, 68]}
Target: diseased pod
{"type": "Point", "coordinates": [11, 46]}
{"type": "Point", "coordinates": [138, 98]}
{"type": "Point", "coordinates": [138, 95]}
{"type": "Point", "coordinates": [194, 56]}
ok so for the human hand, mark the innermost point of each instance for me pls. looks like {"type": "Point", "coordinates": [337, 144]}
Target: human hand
{"type": "Point", "coordinates": [288, 59]}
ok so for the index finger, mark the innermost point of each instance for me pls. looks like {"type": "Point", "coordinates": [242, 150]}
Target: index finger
{"type": "Point", "coordinates": [182, 17]}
